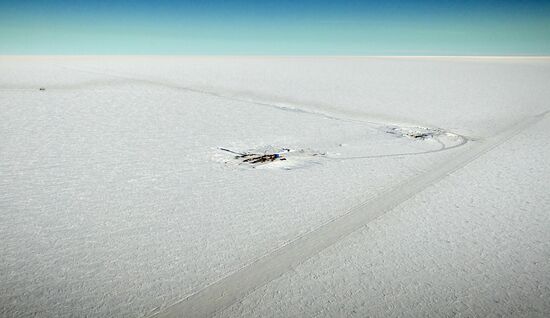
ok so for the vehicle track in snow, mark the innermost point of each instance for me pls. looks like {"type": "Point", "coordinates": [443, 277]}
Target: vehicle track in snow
{"type": "Point", "coordinates": [204, 92]}
{"type": "Point", "coordinates": [462, 141]}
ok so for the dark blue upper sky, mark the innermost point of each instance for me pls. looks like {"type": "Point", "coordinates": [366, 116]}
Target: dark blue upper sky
{"type": "Point", "coordinates": [276, 27]}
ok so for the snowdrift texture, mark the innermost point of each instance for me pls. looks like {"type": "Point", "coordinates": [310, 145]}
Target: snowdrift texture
{"type": "Point", "coordinates": [118, 198]}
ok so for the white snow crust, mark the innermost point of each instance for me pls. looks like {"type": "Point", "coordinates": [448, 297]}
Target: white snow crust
{"type": "Point", "coordinates": [117, 199]}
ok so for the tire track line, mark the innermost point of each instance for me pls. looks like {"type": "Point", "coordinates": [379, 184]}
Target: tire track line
{"type": "Point", "coordinates": [290, 107]}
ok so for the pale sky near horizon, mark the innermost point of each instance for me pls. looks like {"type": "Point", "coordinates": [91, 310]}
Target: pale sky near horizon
{"type": "Point", "coordinates": [275, 27]}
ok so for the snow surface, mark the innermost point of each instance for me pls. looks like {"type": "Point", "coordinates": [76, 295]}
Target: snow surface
{"type": "Point", "coordinates": [116, 199]}
{"type": "Point", "coordinates": [476, 244]}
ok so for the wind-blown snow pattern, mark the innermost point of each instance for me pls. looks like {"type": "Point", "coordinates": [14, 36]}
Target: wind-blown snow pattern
{"type": "Point", "coordinates": [130, 186]}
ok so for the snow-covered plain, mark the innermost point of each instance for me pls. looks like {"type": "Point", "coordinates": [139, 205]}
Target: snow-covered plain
{"type": "Point", "coordinates": [117, 197]}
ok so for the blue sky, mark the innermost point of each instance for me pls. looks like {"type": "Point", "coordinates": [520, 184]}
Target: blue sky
{"type": "Point", "coordinates": [276, 27]}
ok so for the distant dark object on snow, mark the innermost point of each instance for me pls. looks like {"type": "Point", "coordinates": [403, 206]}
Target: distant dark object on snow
{"type": "Point", "coordinates": [42, 88]}
{"type": "Point", "coordinates": [257, 158]}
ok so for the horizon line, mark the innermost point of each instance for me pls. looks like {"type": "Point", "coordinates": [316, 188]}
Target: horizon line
{"type": "Point", "coordinates": [276, 55]}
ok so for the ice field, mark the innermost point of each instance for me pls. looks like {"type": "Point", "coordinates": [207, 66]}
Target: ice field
{"type": "Point", "coordinates": [274, 186]}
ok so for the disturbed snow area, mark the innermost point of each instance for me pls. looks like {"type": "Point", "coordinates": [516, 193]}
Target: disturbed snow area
{"type": "Point", "coordinates": [129, 183]}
